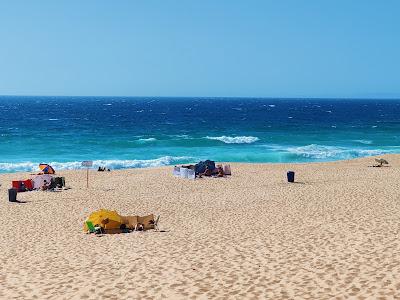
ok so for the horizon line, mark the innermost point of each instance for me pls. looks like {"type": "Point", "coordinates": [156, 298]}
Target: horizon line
{"type": "Point", "coordinates": [213, 97]}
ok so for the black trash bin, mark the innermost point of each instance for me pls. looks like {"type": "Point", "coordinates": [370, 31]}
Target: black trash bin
{"type": "Point", "coordinates": [12, 195]}
{"type": "Point", "coordinates": [290, 176]}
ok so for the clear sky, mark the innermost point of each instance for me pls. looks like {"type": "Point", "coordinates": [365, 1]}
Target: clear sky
{"type": "Point", "coordinates": [200, 48]}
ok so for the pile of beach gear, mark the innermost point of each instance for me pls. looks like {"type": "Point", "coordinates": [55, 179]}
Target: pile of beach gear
{"type": "Point", "coordinates": [109, 221]}
{"type": "Point", "coordinates": [46, 179]}
{"type": "Point", "coordinates": [184, 172]}
{"type": "Point", "coordinates": [196, 170]}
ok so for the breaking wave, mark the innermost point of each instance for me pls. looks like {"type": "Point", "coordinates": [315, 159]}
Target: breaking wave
{"type": "Point", "coordinates": [234, 140]}
{"type": "Point", "coordinates": [111, 164]}
{"type": "Point", "coordinates": [314, 151]}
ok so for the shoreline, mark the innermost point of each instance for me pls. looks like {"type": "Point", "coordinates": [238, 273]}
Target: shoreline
{"type": "Point", "coordinates": [371, 158]}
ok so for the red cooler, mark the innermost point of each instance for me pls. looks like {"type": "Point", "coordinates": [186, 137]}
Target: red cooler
{"type": "Point", "coordinates": [22, 185]}
{"type": "Point", "coordinates": [28, 184]}
{"type": "Point", "coordinates": [16, 185]}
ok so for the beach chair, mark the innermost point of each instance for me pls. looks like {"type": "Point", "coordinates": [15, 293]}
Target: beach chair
{"type": "Point", "coordinates": [227, 170]}
{"type": "Point", "coordinates": [156, 223]}
{"type": "Point", "coordinates": [92, 228]}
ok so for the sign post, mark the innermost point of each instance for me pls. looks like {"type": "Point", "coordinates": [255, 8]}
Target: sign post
{"type": "Point", "coordinates": [87, 164]}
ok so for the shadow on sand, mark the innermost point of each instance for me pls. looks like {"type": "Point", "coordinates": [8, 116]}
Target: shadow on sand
{"type": "Point", "coordinates": [19, 201]}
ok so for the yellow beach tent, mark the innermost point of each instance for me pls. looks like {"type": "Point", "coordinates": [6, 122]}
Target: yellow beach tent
{"type": "Point", "coordinates": [108, 219]}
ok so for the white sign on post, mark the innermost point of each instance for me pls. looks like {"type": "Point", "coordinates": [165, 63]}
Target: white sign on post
{"type": "Point", "coordinates": [87, 164]}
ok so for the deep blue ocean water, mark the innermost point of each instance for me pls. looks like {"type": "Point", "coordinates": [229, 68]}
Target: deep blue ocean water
{"type": "Point", "coordinates": [123, 132]}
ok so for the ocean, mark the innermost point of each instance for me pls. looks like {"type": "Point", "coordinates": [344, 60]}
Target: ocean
{"type": "Point", "coordinates": [133, 132]}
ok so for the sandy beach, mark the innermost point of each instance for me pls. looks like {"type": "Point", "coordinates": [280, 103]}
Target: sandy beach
{"type": "Point", "coordinates": [333, 234]}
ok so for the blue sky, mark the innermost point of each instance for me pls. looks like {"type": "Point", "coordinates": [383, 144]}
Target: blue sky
{"type": "Point", "coordinates": [200, 48]}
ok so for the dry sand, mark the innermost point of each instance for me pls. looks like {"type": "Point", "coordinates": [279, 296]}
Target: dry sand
{"type": "Point", "coordinates": [334, 234]}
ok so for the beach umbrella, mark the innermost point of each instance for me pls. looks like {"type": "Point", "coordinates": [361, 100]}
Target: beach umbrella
{"type": "Point", "coordinates": [381, 161]}
{"type": "Point", "coordinates": [47, 169]}
{"type": "Point", "coordinates": [108, 219]}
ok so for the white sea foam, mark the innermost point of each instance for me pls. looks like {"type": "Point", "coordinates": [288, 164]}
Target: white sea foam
{"type": "Point", "coordinates": [112, 164]}
{"type": "Point", "coordinates": [234, 139]}
{"type": "Point", "coordinates": [330, 152]}
{"type": "Point", "coordinates": [147, 140]}
{"type": "Point", "coordinates": [365, 142]}
{"type": "Point", "coordinates": [271, 105]}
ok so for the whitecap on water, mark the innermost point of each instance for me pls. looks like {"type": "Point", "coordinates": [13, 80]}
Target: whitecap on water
{"type": "Point", "coordinates": [315, 151]}
{"type": "Point", "coordinates": [234, 139]}
{"type": "Point", "coordinates": [365, 142]}
{"type": "Point", "coordinates": [147, 140]}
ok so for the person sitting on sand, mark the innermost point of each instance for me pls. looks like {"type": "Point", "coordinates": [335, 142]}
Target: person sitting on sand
{"type": "Point", "coordinates": [207, 172]}
{"type": "Point", "coordinates": [220, 171]}
{"type": "Point", "coordinates": [46, 185]}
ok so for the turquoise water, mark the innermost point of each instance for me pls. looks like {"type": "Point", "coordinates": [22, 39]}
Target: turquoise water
{"type": "Point", "coordinates": [142, 132]}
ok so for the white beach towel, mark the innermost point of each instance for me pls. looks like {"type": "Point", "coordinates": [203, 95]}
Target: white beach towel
{"type": "Point", "coordinates": [177, 171]}
{"type": "Point", "coordinates": [191, 174]}
{"type": "Point", "coordinates": [184, 172]}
